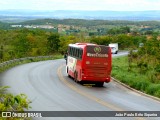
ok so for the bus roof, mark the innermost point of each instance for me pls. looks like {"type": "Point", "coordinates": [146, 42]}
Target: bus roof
{"type": "Point", "coordinates": [85, 44]}
{"type": "Point", "coordinates": [81, 45]}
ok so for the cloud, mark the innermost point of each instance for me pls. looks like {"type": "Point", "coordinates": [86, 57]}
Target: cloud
{"type": "Point", "coordinates": [129, 5]}
{"type": "Point", "coordinates": [120, 5]}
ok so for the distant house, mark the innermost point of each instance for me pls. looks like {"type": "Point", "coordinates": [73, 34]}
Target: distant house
{"type": "Point", "coordinates": [16, 25]}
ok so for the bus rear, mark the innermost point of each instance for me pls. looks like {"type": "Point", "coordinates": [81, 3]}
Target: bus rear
{"type": "Point", "coordinates": [96, 65]}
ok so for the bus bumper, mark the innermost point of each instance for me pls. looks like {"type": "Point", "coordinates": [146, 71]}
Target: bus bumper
{"type": "Point", "coordinates": [96, 79]}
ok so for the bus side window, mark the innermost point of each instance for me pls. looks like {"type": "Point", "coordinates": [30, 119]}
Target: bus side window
{"type": "Point", "coordinates": [80, 53]}
{"type": "Point", "coordinates": [71, 51]}
{"type": "Point", "coordinates": [74, 52]}
{"type": "Point", "coordinates": [77, 52]}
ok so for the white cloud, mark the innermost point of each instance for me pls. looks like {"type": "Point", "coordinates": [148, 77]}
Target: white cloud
{"type": "Point", "coordinates": [122, 5]}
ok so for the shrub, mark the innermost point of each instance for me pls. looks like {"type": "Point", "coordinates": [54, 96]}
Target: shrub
{"type": "Point", "coordinates": [9, 102]}
{"type": "Point", "coordinates": [153, 88]}
{"type": "Point", "coordinates": [142, 85]}
{"type": "Point", "coordinates": [157, 93]}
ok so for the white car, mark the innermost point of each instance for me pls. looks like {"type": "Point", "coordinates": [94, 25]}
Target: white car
{"type": "Point", "coordinates": [114, 48]}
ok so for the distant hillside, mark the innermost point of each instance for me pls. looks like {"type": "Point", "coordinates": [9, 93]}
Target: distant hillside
{"type": "Point", "coordinates": [85, 23]}
{"type": "Point", "coordinates": [82, 23]}
{"type": "Point", "coordinates": [23, 15]}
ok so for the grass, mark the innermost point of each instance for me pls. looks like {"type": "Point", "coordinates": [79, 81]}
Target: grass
{"type": "Point", "coordinates": [133, 78]}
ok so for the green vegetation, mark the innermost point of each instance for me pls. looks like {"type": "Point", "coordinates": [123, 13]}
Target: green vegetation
{"type": "Point", "coordinates": [138, 77]}
{"type": "Point", "coordinates": [147, 60]}
{"type": "Point", "coordinates": [18, 42]}
{"type": "Point", "coordinates": [10, 102]}
{"type": "Point", "coordinates": [13, 103]}
{"type": "Point", "coordinates": [24, 42]}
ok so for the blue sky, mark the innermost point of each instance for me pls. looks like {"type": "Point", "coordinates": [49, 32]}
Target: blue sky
{"type": "Point", "coordinates": [113, 5]}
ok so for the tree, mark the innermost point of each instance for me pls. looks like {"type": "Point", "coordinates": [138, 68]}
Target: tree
{"type": "Point", "coordinates": [53, 42]}
{"type": "Point", "coordinates": [22, 45]}
{"type": "Point", "coordinates": [121, 30]}
{"type": "Point", "coordinates": [65, 41]}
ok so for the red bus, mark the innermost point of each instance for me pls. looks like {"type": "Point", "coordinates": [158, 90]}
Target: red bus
{"type": "Point", "coordinates": [89, 62]}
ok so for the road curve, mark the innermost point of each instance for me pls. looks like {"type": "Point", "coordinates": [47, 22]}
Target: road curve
{"type": "Point", "coordinates": [46, 84]}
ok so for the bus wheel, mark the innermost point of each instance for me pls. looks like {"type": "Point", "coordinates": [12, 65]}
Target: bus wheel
{"type": "Point", "coordinates": [76, 76]}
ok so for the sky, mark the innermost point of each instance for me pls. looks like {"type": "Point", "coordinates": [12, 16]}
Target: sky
{"type": "Point", "coordinates": [112, 5]}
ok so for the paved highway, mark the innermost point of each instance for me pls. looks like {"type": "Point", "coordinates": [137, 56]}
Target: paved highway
{"type": "Point", "coordinates": [46, 84]}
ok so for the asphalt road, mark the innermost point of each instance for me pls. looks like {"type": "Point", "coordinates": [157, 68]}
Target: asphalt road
{"type": "Point", "coordinates": [46, 84]}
